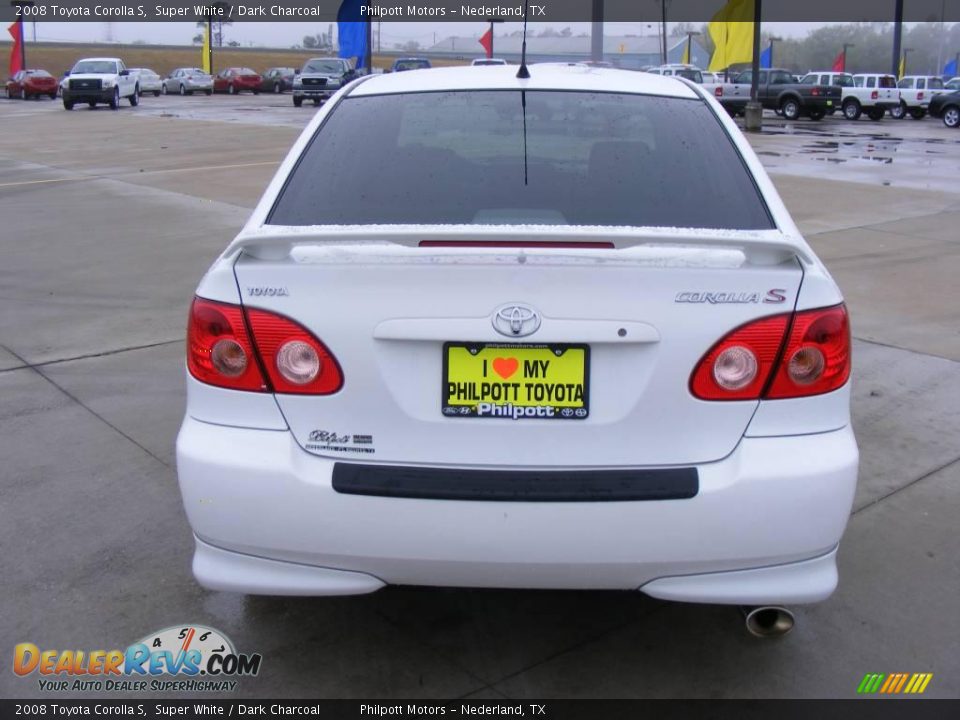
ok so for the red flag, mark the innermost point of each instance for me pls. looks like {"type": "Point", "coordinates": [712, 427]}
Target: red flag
{"type": "Point", "coordinates": [487, 41]}
{"type": "Point", "coordinates": [839, 62]}
{"type": "Point", "coordinates": [16, 32]}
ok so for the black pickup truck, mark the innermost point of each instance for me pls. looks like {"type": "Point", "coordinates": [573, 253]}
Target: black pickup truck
{"type": "Point", "coordinates": [778, 91]}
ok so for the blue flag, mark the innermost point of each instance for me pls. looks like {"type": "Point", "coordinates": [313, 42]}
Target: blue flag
{"type": "Point", "coordinates": [950, 69]}
{"type": "Point", "coordinates": [766, 57]}
{"type": "Point", "coordinates": [352, 32]}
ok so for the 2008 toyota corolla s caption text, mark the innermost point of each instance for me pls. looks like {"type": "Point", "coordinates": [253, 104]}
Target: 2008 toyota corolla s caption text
{"type": "Point", "coordinates": [474, 334]}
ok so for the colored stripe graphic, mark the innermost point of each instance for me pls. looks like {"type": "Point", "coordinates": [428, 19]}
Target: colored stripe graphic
{"type": "Point", "coordinates": [894, 683]}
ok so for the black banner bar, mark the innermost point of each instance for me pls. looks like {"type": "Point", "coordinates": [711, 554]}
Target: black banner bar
{"type": "Point", "coordinates": [875, 709]}
{"type": "Point", "coordinates": [695, 11]}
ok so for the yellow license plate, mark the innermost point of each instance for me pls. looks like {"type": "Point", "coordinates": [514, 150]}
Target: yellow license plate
{"type": "Point", "coordinates": [516, 381]}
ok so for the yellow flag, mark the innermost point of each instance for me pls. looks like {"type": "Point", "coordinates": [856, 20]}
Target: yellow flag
{"type": "Point", "coordinates": [685, 59]}
{"type": "Point", "coordinates": [903, 65]}
{"type": "Point", "coordinates": [731, 30]}
{"type": "Point", "coordinates": [205, 60]}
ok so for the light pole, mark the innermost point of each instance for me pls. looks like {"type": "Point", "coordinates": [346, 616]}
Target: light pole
{"type": "Point", "coordinates": [663, 24]}
{"type": "Point", "coordinates": [753, 114]}
{"type": "Point", "coordinates": [845, 46]}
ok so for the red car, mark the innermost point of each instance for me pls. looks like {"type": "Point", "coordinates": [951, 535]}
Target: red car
{"type": "Point", "coordinates": [32, 83]}
{"type": "Point", "coordinates": [237, 79]}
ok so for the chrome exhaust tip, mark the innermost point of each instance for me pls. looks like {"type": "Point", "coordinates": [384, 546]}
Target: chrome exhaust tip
{"type": "Point", "coordinates": [768, 620]}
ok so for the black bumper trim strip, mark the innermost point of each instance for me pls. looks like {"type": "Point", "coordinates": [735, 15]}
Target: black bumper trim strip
{"type": "Point", "coordinates": [515, 485]}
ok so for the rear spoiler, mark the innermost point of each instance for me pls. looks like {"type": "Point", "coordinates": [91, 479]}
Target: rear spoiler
{"type": "Point", "coordinates": [760, 247]}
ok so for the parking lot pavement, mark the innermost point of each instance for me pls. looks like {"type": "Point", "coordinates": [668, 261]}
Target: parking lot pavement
{"type": "Point", "coordinates": [106, 232]}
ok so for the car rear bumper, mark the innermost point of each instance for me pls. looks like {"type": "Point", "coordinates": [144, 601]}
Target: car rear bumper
{"type": "Point", "coordinates": [762, 528]}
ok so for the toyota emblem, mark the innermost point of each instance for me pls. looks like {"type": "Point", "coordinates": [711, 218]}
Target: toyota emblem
{"type": "Point", "coordinates": [516, 320]}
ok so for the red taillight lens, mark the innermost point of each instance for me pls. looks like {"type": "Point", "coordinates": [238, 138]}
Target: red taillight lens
{"type": "Point", "coordinates": [725, 372]}
{"type": "Point", "coordinates": [815, 92]}
{"type": "Point", "coordinates": [920, 95]}
{"type": "Point", "coordinates": [817, 356]}
{"type": "Point", "coordinates": [756, 360]}
{"type": "Point", "coordinates": [718, 91]}
{"type": "Point", "coordinates": [294, 359]}
{"type": "Point", "coordinates": [874, 95]}
{"type": "Point", "coordinates": [221, 352]}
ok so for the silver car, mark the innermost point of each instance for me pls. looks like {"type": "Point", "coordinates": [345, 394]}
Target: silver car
{"type": "Point", "coordinates": [147, 80]}
{"type": "Point", "coordinates": [187, 81]}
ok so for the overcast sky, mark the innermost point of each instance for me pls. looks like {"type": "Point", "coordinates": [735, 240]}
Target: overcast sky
{"type": "Point", "coordinates": [285, 34]}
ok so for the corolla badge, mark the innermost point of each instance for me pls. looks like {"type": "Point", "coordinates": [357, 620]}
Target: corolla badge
{"type": "Point", "coordinates": [516, 320]}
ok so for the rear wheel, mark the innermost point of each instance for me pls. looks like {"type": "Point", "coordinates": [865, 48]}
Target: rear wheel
{"type": "Point", "coordinates": [875, 113]}
{"type": "Point", "coordinates": [156, 93]}
{"type": "Point", "coordinates": [67, 104]}
{"type": "Point", "coordinates": [817, 115]}
{"type": "Point", "coordinates": [297, 101]}
{"type": "Point", "coordinates": [917, 113]}
{"type": "Point", "coordinates": [852, 110]}
{"type": "Point", "coordinates": [790, 108]}
{"type": "Point", "coordinates": [951, 116]}
{"type": "Point", "coordinates": [898, 112]}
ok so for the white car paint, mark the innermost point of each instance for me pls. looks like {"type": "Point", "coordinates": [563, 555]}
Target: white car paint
{"type": "Point", "coordinates": [776, 477]}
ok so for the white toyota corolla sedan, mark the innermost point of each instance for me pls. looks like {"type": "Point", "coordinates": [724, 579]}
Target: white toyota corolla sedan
{"type": "Point", "coordinates": [476, 333]}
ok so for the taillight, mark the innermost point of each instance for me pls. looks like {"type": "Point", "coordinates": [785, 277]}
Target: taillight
{"type": "Point", "coordinates": [737, 367]}
{"type": "Point", "coordinates": [782, 356]}
{"type": "Point", "coordinates": [816, 358]}
{"type": "Point", "coordinates": [815, 92]}
{"type": "Point", "coordinates": [920, 95]}
{"type": "Point", "coordinates": [718, 91]}
{"type": "Point", "coordinates": [221, 351]}
{"type": "Point", "coordinates": [295, 360]}
{"type": "Point", "coordinates": [874, 95]}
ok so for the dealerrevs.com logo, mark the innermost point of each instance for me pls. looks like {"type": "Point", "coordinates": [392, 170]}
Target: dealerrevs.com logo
{"type": "Point", "coordinates": [183, 658]}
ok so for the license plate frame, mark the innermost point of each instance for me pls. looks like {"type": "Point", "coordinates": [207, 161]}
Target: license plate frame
{"type": "Point", "coordinates": [513, 403]}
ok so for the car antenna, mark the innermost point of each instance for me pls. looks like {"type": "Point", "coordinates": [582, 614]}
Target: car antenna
{"type": "Point", "coordinates": [523, 73]}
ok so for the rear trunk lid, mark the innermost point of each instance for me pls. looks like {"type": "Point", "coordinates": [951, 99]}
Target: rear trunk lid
{"type": "Point", "coordinates": [640, 318]}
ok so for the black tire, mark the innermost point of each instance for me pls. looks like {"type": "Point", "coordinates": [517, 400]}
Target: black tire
{"type": "Point", "coordinates": [951, 116]}
{"type": "Point", "coordinates": [156, 93]}
{"type": "Point", "coordinates": [115, 100]}
{"type": "Point", "coordinates": [53, 96]}
{"type": "Point", "coordinates": [875, 114]}
{"type": "Point", "coordinates": [91, 104]}
{"type": "Point", "coordinates": [231, 90]}
{"type": "Point", "coordinates": [852, 110]}
{"type": "Point", "coordinates": [276, 88]}
{"type": "Point", "coordinates": [297, 101]}
{"type": "Point", "coordinates": [917, 113]}
{"type": "Point", "coordinates": [899, 112]}
{"type": "Point", "coordinates": [135, 98]}
{"type": "Point", "coordinates": [208, 93]}
{"type": "Point", "coordinates": [790, 108]}
{"type": "Point", "coordinates": [67, 104]}
{"type": "Point", "coordinates": [816, 115]}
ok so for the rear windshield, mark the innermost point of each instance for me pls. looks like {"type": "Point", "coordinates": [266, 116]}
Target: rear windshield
{"type": "Point", "coordinates": [412, 64]}
{"type": "Point", "coordinates": [887, 81]}
{"type": "Point", "coordinates": [692, 75]}
{"type": "Point", "coordinates": [464, 158]}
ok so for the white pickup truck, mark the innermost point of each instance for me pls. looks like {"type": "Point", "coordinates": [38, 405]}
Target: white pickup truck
{"type": "Point", "coordinates": [99, 80]}
{"type": "Point", "coordinates": [858, 95]}
{"type": "Point", "coordinates": [915, 94]}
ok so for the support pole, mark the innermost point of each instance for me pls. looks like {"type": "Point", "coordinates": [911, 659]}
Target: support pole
{"type": "Point", "coordinates": [897, 38]}
{"type": "Point", "coordinates": [596, 31]}
{"type": "Point", "coordinates": [753, 115]}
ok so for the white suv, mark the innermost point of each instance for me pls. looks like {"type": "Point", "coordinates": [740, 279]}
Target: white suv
{"type": "Point", "coordinates": [915, 94]}
{"type": "Point", "coordinates": [99, 80]}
